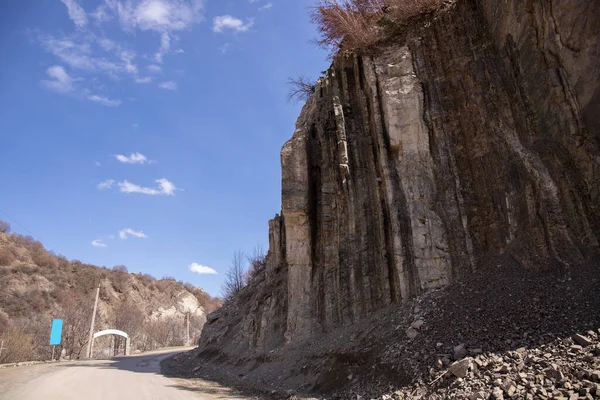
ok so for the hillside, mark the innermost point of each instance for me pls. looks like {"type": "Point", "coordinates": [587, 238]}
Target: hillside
{"type": "Point", "coordinates": [37, 286]}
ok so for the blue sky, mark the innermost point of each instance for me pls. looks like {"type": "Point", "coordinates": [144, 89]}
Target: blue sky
{"type": "Point", "coordinates": [147, 132]}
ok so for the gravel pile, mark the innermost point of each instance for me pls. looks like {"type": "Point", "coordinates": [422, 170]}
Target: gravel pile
{"type": "Point", "coordinates": [566, 369]}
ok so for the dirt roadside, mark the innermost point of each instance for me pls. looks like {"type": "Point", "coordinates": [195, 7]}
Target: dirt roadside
{"type": "Point", "coordinates": [491, 313]}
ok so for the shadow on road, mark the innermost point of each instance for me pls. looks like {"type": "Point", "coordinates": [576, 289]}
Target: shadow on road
{"type": "Point", "coordinates": [150, 364]}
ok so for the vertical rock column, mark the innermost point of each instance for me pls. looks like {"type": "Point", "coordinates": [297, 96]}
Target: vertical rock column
{"type": "Point", "coordinates": [296, 209]}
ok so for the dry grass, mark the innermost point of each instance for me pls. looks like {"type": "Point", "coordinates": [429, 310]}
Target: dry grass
{"type": "Point", "coordinates": [356, 25]}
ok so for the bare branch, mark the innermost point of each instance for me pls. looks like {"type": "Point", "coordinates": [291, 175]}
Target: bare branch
{"type": "Point", "coordinates": [300, 88]}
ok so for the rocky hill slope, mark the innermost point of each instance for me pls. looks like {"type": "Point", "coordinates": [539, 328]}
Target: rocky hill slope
{"type": "Point", "coordinates": [37, 286]}
{"type": "Point", "coordinates": [468, 146]}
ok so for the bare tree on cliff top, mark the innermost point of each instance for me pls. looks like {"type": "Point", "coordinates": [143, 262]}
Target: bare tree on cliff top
{"type": "Point", "coordinates": [301, 88]}
{"type": "Point", "coordinates": [235, 278]}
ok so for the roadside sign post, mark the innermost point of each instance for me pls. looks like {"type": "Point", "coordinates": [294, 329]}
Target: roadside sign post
{"type": "Point", "coordinates": [55, 334]}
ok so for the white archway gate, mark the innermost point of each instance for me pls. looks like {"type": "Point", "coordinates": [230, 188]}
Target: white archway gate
{"type": "Point", "coordinates": [111, 332]}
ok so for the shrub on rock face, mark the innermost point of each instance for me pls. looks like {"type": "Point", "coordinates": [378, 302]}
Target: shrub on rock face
{"type": "Point", "coordinates": [235, 278]}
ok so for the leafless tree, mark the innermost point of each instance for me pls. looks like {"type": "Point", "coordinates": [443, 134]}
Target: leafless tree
{"type": "Point", "coordinates": [235, 278]}
{"type": "Point", "coordinates": [4, 227]}
{"type": "Point", "coordinates": [130, 319]}
{"type": "Point", "coordinates": [120, 268]}
{"type": "Point", "coordinates": [257, 263]}
{"type": "Point", "coordinates": [76, 316]}
{"type": "Point", "coordinates": [19, 345]}
{"type": "Point", "coordinates": [300, 88]}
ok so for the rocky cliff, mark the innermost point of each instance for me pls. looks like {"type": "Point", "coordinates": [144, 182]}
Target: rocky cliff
{"type": "Point", "coordinates": [473, 135]}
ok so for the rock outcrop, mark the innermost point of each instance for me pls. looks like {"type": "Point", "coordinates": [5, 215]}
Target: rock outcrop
{"type": "Point", "coordinates": [475, 134]}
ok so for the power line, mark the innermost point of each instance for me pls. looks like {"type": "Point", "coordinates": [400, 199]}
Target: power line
{"type": "Point", "coordinates": [16, 222]}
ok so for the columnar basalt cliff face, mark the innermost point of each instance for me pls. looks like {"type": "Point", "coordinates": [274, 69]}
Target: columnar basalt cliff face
{"type": "Point", "coordinates": [474, 135]}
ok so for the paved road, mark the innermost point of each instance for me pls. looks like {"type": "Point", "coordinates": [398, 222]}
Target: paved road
{"type": "Point", "coordinates": [130, 378]}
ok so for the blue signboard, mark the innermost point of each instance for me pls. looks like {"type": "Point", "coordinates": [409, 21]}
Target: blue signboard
{"type": "Point", "coordinates": [56, 332]}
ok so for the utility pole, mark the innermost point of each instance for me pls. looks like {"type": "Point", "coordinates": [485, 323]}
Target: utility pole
{"type": "Point", "coordinates": [91, 337]}
{"type": "Point", "coordinates": [2, 347]}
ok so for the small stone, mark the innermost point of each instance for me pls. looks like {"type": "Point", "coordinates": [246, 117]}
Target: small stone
{"type": "Point", "coordinates": [479, 396]}
{"type": "Point", "coordinates": [497, 394]}
{"type": "Point", "coordinates": [462, 367]}
{"type": "Point", "coordinates": [417, 324]}
{"type": "Point", "coordinates": [595, 376]}
{"type": "Point", "coordinates": [460, 352]}
{"type": "Point", "coordinates": [567, 385]}
{"type": "Point", "coordinates": [582, 340]}
{"type": "Point", "coordinates": [412, 333]}
{"type": "Point", "coordinates": [509, 388]}
{"type": "Point", "coordinates": [554, 373]}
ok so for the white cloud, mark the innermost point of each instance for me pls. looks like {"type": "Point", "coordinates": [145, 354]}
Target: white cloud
{"type": "Point", "coordinates": [107, 44]}
{"type": "Point", "coordinates": [146, 79]}
{"type": "Point", "coordinates": [61, 81]}
{"type": "Point", "coordinates": [106, 184]}
{"type": "Point", "coordinates": [76, 13]}
{"type": "Point", "coordinates": [101, 14]}
{"type": "Point", "coordinates": [267, 6]}
{"type": "Point", "coordinates": [133, 158]}
{"type": "Point", "coordinates": [165, 45]}
{"type": "Point", "coordinates": [104, 100]}
{"type": "Point", "coordinates": [224, 22]}
{"type": "Point", "coordinates": [163, 15]}
{"type": "Point", "coordinates": [77, 54]}
{"type": "Point", "coordinates": [125, 233]}
{"type": "Point", "coordinates": [154, 68]}
{"type": "Point", "coordinates": [225, 48]}
{"type": "Point", "coordinates": [170, 85]}
{"type": "Point", "coordinates": [127, 57]}
{"type": "Point", "coordinates": [179, 51]}
{"type": "Point", "coordinates": [201, 269]}
{"type": "Point", "coordinates": [97, 163]}
{"type": "Point", "coordinates": [164, 188]}
{"type": "Point", "coordinates": [98, 243]}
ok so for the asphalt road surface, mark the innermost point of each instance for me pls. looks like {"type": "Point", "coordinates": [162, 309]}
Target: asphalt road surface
{"type": "Point", "coordinates": [129, 378]}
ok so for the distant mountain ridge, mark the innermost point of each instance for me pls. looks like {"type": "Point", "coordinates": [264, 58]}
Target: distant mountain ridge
{"type": "Point", "coordinates": [38, 285]}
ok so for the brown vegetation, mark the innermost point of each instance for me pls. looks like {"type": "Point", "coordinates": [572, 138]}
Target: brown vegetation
{"type": "Point", "coordinates": [4, 227]}
{"type": "Point", "coordinates": [356, 25]}
{"type": "Point", "coordinates": [37, 285]}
